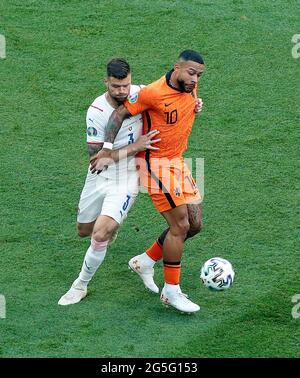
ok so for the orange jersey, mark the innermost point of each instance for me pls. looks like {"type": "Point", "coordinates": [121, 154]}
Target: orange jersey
{"type": "Point", "coordinates": [168, 110]}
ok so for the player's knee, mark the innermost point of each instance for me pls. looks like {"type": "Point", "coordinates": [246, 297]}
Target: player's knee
{"type": "Point", "coordinates": [104, 233]}
{"type": "Point", "coordinates": [84, 230]}
{"type": "Point", "coordinates": [181, 227]}
{"type": "Point", "coordinates": [185, 226]}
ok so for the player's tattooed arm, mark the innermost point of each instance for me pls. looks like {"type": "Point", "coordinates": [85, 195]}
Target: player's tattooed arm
{"type": "Point", "coordinates": [101, 160]}
{"type": "Point", "coordinates": [93, 151]}
{"type": "Point", "coordinates": [94, 148]}
{"type": "Point", "coordinates": [115, 122]}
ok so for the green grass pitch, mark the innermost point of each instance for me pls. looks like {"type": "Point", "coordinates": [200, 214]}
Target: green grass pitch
{"type": "Point", "coordinates": [56, 52]}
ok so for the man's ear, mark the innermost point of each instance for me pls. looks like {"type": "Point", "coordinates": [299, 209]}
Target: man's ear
{"type": "Point", "coordinates": [176, 66]}
{"type": "Point", "coordinates": [106, 82]}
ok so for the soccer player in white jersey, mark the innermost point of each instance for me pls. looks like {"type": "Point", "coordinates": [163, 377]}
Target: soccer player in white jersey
{"type": "Point", "coordinates": [106, 198]}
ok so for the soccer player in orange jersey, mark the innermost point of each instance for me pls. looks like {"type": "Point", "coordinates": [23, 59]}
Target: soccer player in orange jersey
{"type": "Point", "coordinates": [168, 105]}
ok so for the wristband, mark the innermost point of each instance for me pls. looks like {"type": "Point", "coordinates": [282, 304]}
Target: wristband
{"type": "Point", "coordinates": [108, 145]}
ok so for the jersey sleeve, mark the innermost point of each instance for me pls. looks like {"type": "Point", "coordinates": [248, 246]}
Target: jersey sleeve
{"type": "Point", "coordinates": [95, 126]}
{"type": "Point", "coordinates": [140, 101]}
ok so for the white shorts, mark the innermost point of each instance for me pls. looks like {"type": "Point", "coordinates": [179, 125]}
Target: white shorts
{"type": "Point", "coordinates": [105, 196]}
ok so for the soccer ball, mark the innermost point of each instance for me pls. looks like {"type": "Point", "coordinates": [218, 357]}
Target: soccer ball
{"type": "Point", "coordinates": [217, 274]}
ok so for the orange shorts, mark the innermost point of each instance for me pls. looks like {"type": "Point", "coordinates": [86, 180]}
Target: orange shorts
{"type": "Point", "coordinates": [168, 182]}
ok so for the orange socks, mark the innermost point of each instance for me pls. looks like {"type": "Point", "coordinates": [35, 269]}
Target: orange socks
{"type": "Point", "coordinates": [172, 272]}
{"type": "Point", "coordinates": [171, 269]}
{"type": "Point", "coordinates": [155, 251]}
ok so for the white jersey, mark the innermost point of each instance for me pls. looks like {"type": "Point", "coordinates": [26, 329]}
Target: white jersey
{"type": "Point", "coordinates": [131, 129]}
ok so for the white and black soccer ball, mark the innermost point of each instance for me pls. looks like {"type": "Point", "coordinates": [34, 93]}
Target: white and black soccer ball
{"type": "Point", "coordinates": [217, 274]}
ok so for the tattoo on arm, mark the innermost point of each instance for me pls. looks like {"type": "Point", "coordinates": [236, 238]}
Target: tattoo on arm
{"type": "Point", "coordinates": [114, 123]}
{"type": "Point", "coordinates": [94, 148]}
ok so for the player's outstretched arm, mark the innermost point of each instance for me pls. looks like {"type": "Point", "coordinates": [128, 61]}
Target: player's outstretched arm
{"type": "Point", "coordinates": [143, 143]}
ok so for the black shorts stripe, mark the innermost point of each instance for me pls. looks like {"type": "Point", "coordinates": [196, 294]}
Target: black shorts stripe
{"type": "Point", "coordinates": [159, 183]}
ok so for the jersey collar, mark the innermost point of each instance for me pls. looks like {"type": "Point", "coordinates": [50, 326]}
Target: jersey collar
{"type": "Point", "coordinates": [168, 78]}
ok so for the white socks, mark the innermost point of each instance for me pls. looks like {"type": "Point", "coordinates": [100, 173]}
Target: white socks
{"type": "Point", "coordinates": [92, 260]}
{"type": "Point", "coordinates": [146, 260]}
{"type": "Point", "coordinates": [172, 288]}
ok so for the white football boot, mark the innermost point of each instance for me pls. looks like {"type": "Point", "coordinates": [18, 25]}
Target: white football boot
{"type": "Point", "coordinates": [177, 299]}
{"type": "Point", "coordinates": [145, 272]}
{"type": "Point", "coordinates": [74, 295]}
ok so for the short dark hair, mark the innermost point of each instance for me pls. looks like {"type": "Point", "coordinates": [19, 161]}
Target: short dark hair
{"type": "Point", "coordinates": [191, 55]}
{"type": "Point", "coordinates": [118, 68]}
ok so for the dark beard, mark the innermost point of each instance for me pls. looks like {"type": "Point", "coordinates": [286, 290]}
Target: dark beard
{"type": "Point", "coordinates": [181, 85]}
{"type": "Point", "coordinates": [118, 101]}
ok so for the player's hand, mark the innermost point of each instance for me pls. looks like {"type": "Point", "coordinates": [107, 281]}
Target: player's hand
{"type": "Point", "coordinates": [101, 161]}
{"type": "Point", "coordinates": [199, 105]}
{"type": "Point", "coordinates": [146, 141]}
{"type": "Point", "coordinates": [93, 159]}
